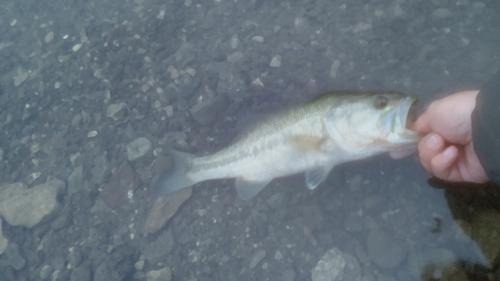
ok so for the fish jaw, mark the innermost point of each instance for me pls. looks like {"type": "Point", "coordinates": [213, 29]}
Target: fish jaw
{"type": "Point", "coordinates": [398, 122]}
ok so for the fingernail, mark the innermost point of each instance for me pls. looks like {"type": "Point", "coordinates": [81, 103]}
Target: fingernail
{"type": "Point", "coordinates": [448, 152]}
{"type": "Point", "coordinates": [432, 141]}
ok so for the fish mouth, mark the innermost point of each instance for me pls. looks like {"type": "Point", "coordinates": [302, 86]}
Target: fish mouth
{"type": "Point", "coordinates": [407, 113]}
{"type": "Point", "coordinates": [402, 117]}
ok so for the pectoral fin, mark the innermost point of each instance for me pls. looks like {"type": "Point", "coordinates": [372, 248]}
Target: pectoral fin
{"type": "Point", "coordinates": [317, 176]}
{"type": "Point", "coordinates": [331, 128]}
{"type": "Point", "coordinates": [247, 189]}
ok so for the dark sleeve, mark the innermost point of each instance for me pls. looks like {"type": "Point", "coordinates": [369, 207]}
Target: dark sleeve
{"type": "Point", "coordinates": [486, 128]}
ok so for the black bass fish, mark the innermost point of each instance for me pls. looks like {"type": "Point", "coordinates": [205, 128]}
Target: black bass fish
{"type": "Point", "coordinates": [333, 128]}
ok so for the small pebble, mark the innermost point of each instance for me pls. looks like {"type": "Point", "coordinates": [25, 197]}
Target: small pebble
{"type": "Point", "coordinates": [49, 37]}
{"type": "Point", "coordinates": [174, 73]}
{"type": "Point", "coordinates": [276, 61]}
{"type": "Point", "coordinates": [235, 57]}
{"type": "Point", "coordinates": [76, 47]}
{"type": "Point", "coordinates": [257, 83]}
{"type": "Point", "coordinates": [334, 68]}
{"type": "Point", "coordinates": [170, 110]}
{"type": "Point", "coordinates": [278, 255]}
{"type": "Point", "coordinates": [92, 134]}
{"type": "Point", "coordinates": [257, 258]}
{"type": "Point", "coordinates": [20, 78]}
{"type": "Point", "coordinates": [259, 39]}
{"type": "Point", "coordinates": [157, 104]}
{"type": "Point", "coordinates": [191, 71]}
{"type": "Point", "coordinates": [234, 42]}
{"type": "Point", "coordinates": [139, 265]}
{"type": "Point", "coordinates": [35, 148]}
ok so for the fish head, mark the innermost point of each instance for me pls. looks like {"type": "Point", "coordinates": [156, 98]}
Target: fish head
{"type": "Point", "coordinates": [370, 122]}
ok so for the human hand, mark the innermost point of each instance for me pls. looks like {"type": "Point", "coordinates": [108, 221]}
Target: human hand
{"type": "Point", "coordinates": [446, 150]}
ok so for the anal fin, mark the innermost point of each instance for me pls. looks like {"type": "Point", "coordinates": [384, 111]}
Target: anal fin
{"type": "Point", "coordinates": [317, 176]}
{"type": "Point", "coordinates": [247, 189]}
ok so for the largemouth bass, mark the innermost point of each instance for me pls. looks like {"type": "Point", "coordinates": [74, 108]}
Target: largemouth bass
{"type": "Point", "coordinates": [333, 128]}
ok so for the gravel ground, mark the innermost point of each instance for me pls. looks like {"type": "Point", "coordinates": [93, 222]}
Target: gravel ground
{"type": "Point", "coordinates": [94, 93]}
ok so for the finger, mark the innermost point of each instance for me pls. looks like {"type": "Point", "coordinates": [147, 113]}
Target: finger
{"type": "Point", "coordinates": [443, 167]}
{"type": "Point", "coordinates": [428, 148]}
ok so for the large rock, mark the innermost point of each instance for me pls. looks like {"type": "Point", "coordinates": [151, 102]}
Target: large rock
{"type": "Point", "coordinates": [75, 180]}
{"type": "Point", "coordinates": [159, 249]}
{"type": "Point", "coordinates": [384, 251]}
{"type": "Point", "coordinates": [164, 208]}
{"type": "Point", "coordinates": [116, 192]}
{"type": "Point", "coordinates": [116, 111]}
{"type": "Point", "coordinates": [28, 206]}
{"type": "Point", "coordinates": [206, 112]}
{"type": "Point", "coordinates": [9, 190]}
{"type": "Point", "coordinates": [13, 257]}
{"type": "Point", "coordinates": [115, 267]}
{"type": "Point", "coordinates": [138, 148]}
{"type": "Point", "coordinates": [336, 266]}
{"type": "Point", "coordinates": [164, 274]}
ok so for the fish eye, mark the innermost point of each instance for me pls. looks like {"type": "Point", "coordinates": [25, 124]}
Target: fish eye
{"type": "Point", "coordinates": [380, 102]}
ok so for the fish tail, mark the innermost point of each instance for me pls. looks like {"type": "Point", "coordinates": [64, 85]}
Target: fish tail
{"type": "Point", "coordinates": [177, 177]}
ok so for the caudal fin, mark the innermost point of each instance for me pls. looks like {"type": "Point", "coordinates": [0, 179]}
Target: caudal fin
{"type": "Point", "coordinates": [176, 178]}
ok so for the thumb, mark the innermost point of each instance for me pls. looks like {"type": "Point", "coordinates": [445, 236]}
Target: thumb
{"type": "Point", "coordinates": [422, 124]}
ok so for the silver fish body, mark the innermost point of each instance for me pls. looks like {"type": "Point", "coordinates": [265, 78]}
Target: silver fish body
{"type": "Point", "coordinates": [333, 128]}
